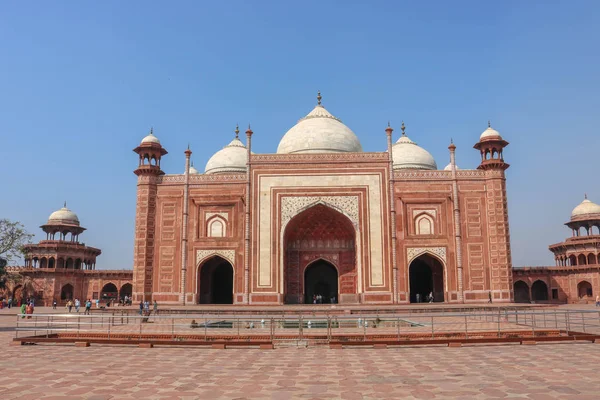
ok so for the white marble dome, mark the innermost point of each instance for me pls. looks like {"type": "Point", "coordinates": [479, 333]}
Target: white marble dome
{"type": "Point", "coordinates": [63, 216]}
{"type": "Point", "coordinates": [407, 155]}
{"type": "Point", "coordinates": [490, 133]}
{"type": "Point", "coordinates": [151, 138]}
{"type": "Point", "coordinates": [585, 208]}
{"type": "Point", "coordinates": [449, 167]}
{"type": "Point", "coordinates": [231, 158]}
{"type": "Point", "coordinates": [319, 132]}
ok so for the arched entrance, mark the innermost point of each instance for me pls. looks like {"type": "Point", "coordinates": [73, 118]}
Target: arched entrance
{"type": "Point", "coordinates": [320, 279]}
{"type": "Point", "coordinates": [584, 289]}
{"type": "Point", "coordinates": [426, 275]}
{"type": "Point", "coordinates": [126, 290]}
{"type": "Point", "coordinates": [318, 233]}
{"type": "Point", "coordinates": [66, 293]}
{"type": "Point", "coordinates": [109, 292]}
{"type": "Point", "coordinates": [539, 291]}
{"type": "Point", "coordinates": [215, 281]}
{"type": "Point", "coordinates": [521, 292]}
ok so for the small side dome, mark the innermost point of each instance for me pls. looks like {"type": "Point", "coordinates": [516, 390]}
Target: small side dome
{"type": "Point", "coordinates": [407, 155]}
{"type": "Point", "coordinates": [490, 133]}
{"type": "Point", "coordinates": [586, 207]}
{"type": "Point", "coordinates": [193, 171]}
{"type": "Point", "coordinates": [64, 216]}
{"type": "Point", "coordinates": [151, 138]}
{"type": "Point", "coordinates": [449, 167]}
{"type": "Point", "coordinates": [231, 158]}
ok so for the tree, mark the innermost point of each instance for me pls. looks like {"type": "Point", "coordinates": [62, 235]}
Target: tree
{"type": "Point", "coordinates": [13, 237]}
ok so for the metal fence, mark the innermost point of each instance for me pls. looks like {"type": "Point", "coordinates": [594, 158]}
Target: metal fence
{"type": "Point", "coordinates": [318, 328]}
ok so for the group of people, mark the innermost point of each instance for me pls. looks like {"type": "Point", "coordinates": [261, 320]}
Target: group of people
{"type": "Point", "coordinates": [145, 307]}
{"type": "Point", "coordinates": [9, 303]}
{"type": "Point", "coordinates": [27, 308]}
{"type": "Point", "coordinates": [77, 305]}
{"type": "Point", "coordinates": [318, 299]}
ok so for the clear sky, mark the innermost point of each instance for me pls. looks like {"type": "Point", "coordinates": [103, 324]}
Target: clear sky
{"type": "Point", "coordinates": [82, 82]}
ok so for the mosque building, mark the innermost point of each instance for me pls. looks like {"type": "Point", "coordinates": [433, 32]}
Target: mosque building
{"type": "Point", "coordinates": [322, 219]}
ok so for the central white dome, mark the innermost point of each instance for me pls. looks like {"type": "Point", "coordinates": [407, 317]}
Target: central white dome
{"type": "Point", "coordinates": [319, 132]}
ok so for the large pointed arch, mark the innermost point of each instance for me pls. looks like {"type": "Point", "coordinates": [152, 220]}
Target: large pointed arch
{"type": "Point", "coordinates": [318, 232]}
{"type": "Point", "coordinates": [215, 281]}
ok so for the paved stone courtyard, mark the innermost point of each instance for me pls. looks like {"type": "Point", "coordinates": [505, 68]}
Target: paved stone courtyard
{"type": "Point", "coordinates": [544, 371]}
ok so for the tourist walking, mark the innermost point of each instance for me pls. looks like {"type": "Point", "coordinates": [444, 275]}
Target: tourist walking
{"type": "Point", "coordinates": [77, 305]}
{"type": "Point", "coordinates": [155, 307]}
{"type": "Point", "coordinates": [597, 300]}
{"type": "Point", "coordinates": [141, 307]}
{"type": "Point", "coordinates": [54, 304]}
{"type": "Point", "coordinates": [69, 305]}
{"type": "Point", "coordinates": [29, 309]}
{"type": "Point", "coordinates": [23, 309]}
{"type": "Point", "coordinates": [10, 302]}
{"type": "Point", "coordinates": [88, 306]}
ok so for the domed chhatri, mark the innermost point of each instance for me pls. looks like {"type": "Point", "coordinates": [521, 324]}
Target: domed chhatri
{"type": "Point", "coordinates": [150, 138]}
{"type": "Point", "coordinates": [231, 158]}
{"type": "Point", "coordinates": [319, 132]}
{"type": "Point", "coordinates": [490, 133]}
{"type": "Point", "coordinates": [64, 216]}
{"type": "Point", "coordinates": [449, 167]}
{"type": "Point", "coordinates": [406, 154]}
{"type": "Point", "coordinates": [586, 208]}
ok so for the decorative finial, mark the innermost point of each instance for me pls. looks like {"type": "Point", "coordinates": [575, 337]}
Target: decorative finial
{"type": "Point", "coordinates": [237, 131]}
{"type": "Point", "coordinates": [403, 128]}
{"type": "Point", "coordinates": [451, 141]}
{"type": "Point", "coordinates": [192, 164]}
{"type": "Point", "coordinates": [585, 195]}
{"type": "Point", "coordinates": [188, 145]}
{"type": "Point", "coordinates": [65, 206]}
{"type": "Point", "coordinates": [249, 131]}
{"type": "Point", "coordinates": [489, 124]}
{"type": "Point", "coordinates": [389, 124]}
{"type": "Point", "coordinates": [151, 130]}
{"type": "Point", "coordinates": [319, 97]}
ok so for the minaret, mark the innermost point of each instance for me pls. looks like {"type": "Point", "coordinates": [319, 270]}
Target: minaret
{"type": "Point", "coordinates": [457, 221]}
{"type": "Point", "coordinates": [247, 253]}
{"type": "Point", "coordinates": [150, 153]}
{"type": "Point", "coordinates": [491, 146]}
{"type": "Point", "coordinates": [184, 228]}
{"type": "Point", "coordinates": [388, 132]}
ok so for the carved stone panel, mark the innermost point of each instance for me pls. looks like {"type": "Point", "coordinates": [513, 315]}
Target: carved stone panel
{"type": "Point", "coordinates": [227, 254]}
{"type": "Point", "coordinates": [414, 252]}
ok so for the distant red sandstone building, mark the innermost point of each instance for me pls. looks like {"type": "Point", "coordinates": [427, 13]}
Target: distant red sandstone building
{"type": "Point", "coordinates": [61, 268]}
{"type": "Point", "coordinates": [576, 276]}
{"type": "Point", "coordinates": [321, 218]}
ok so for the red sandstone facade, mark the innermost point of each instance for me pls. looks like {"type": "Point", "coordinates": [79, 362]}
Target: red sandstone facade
{"type": "Point", "coordinates": [350, 226]}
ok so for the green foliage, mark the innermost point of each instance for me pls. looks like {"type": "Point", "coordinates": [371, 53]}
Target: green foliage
{"type": "Point", "coordinates": [13, 237]}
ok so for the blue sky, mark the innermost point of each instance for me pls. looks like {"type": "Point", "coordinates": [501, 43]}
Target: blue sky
{"type": "Point", "coordinates": [82, 82]}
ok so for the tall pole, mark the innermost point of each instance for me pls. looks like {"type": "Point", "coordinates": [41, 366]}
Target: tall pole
{"type": "Point", "coordinates": [247, 234]}
{"type": "Point", "coordinates": [184, 234]}
{"type": "Point", "coordinates": [457, 220]}
{"type": "Point", "coordinates": [388, 132]}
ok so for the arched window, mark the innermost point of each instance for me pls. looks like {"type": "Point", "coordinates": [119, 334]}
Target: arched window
{"type": "Point", "coordinates": [424, 225]}
{"type": "Point", "coordinates": [591, 259]}
{"type": "Point", "coordinates": [581, 260]}
{"type": "Point", "coordinates": [217, 227]}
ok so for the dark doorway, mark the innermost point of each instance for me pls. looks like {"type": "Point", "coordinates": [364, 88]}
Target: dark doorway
{"type": "Point", "coordinates": [66, 292]}
{"type": "Point", "coordinates": [521, 292]}
{"type": "Point", "coordinates": [216, 282]}
{"type": "Point", "coordinates": [126, 290]}
{"type": "Point", "coordinates": [539, 291]}
{"type": "Point", "coordinates": [320, 278]}
{"type": "Point", "coordinates": [426, 276]}
{"type": "Point", "coordinates": [109, 292]}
